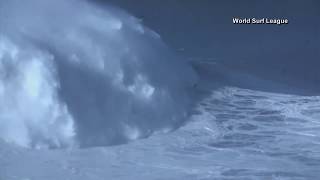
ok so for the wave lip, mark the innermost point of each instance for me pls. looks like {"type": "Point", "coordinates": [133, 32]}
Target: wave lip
{"type": "Point", "coordinates": [73, 74]}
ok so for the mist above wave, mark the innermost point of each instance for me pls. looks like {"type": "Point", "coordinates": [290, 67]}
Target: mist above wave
{"type": "Point", "coordinates": [75, 74]}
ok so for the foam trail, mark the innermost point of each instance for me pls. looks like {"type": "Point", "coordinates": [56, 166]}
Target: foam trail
{"type": "Point", "coordinates": [72, 74]}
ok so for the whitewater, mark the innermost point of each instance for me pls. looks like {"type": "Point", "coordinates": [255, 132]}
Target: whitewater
{"type": "Point", "coordinates": [85, 78]}
{"type": "Point", "coordinates": [88, 92]}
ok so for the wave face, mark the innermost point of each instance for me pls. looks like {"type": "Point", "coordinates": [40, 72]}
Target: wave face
{"type": "Point", "coordinates": [73, 74]}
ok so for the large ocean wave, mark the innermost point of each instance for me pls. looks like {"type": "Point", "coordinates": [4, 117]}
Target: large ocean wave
{"type": "Point", "coordinates": [73, 74]}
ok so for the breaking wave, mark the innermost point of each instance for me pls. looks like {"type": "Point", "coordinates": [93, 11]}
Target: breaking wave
{"type": "Point", "coordinates": [74, 74]}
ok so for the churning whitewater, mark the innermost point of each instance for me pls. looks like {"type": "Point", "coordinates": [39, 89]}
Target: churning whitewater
{"type": "Point", "coordinates": [78, 75]}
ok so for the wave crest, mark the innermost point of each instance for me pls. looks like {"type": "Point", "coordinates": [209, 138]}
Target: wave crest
{"type": "Point", "coordinates": [75, 74]}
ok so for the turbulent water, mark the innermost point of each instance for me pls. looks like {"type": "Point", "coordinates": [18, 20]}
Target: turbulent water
{"type": "Point", "coordinates": [79, 75]}
{"type": "Point", "coordinates": [72, 81]}
{"type": "Point", "coordinates": [236, 134]}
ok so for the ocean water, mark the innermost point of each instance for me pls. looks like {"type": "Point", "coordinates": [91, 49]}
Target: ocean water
{"type": "Point", "coordinates": [234, 134]}
{"type": "Point", "coordinates": [89, 93]}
